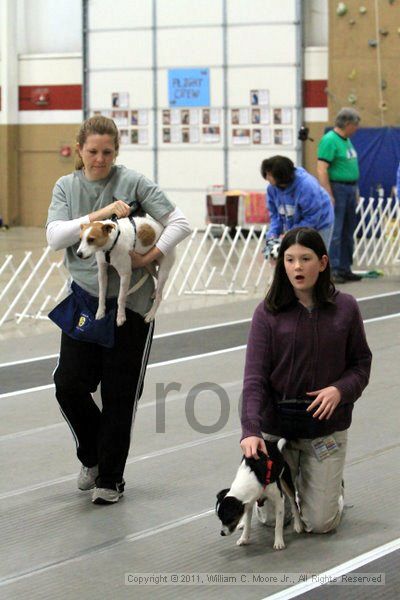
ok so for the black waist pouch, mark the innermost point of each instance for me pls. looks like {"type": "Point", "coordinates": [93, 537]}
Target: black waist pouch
{"type": "Point", "coordinates": [75, 315]}
{"type": "Point", "coordinates": [296, 422]}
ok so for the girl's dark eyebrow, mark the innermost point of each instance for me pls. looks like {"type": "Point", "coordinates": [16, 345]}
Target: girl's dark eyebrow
{"type": "Point", "coordinates": [291, 255]}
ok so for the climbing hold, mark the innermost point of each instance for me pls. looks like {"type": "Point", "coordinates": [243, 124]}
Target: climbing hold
{"type": "Point", "coordinates": [362, 10]}
{"type": "Point", "coordinates": [384, 32]}
{"type": "Point", "coordinates": [383, 84]}
{"type": "Point", "coordinates": [341, 9]}
{"type": "Point", "coordinates": [372, 43]}
{"type": "Point", "coordinates": [352, 74]}
{"type": "Point", "coordinates": [352, 98]}
{"type": "Point", "coordinates": [352, 22]}
{"type": "Point", "coordinates": [383, 105]}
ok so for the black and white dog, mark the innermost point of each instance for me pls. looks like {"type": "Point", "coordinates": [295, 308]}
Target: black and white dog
{"type": "Point", "coordinates": [256, 481]}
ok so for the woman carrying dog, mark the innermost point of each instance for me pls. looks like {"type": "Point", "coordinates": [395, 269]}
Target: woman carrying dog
{"type": "Point", "coordinates": [307, 362]}
{"type": "Point", "coordinates": [97, 190]}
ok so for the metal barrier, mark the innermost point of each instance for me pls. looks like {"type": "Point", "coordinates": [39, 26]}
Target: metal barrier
{"type": "Point", "coordinates": [216, 261]}
{"type": "Point", "coordinates": [377, 235]}
{"type": "Point", "coordinates": [30, 286]}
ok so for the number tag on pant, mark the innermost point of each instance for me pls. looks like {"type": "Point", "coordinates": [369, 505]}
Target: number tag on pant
{"type": "Point", "coordinates": [324, 447]}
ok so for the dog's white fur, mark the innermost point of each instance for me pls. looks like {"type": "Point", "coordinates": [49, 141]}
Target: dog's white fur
{"type": "Point", "coordinates": [248, 490]}
{"type": "Point", "coordinates": [99, 236]}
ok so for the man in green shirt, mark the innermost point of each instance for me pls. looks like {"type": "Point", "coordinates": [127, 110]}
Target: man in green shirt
{"type": "Point", "coordinates": [338, 173]}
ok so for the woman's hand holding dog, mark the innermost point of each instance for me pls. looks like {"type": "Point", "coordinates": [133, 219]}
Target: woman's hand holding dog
{"type": "Point", "coordinates": [327, 400]}
{"type": "Point", "coordinates": [118, 208]}
{"type": "Point", "coordinates": [142, 260]}
{"type": "Point", "coordinates": [251, 444]}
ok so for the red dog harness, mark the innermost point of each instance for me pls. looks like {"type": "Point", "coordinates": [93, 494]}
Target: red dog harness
{"type": "Point", "coordinates": [269, 464]}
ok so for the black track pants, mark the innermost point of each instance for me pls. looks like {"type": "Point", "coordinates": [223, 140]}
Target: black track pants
{"type": "Point", "coordinates": [103, 437]}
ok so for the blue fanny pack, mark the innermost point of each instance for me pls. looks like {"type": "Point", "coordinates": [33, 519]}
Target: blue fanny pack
{"type": "Point", "coordinates": [75, 315]}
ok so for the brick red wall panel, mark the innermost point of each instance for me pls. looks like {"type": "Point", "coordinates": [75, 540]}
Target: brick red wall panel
{"type": "Point", "coordinates": [57, 97]}
{"type": "Point", "coordinates": [314, 95]}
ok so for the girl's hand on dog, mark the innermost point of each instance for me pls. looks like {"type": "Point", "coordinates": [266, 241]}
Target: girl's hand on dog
{"type": "Point", "coordinates": [251, 444]}
{"type": "Point", "coordinates": [327, 400]}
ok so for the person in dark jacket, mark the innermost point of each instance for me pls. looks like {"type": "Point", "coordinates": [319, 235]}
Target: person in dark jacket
{"type": "Point", "coordinates": [307, 362]}
{"type": "Point", "coordinates": [295, 199]}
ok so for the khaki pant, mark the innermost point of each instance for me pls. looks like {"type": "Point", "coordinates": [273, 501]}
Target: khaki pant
{"type": "Point", "coordinates": [318, 483]}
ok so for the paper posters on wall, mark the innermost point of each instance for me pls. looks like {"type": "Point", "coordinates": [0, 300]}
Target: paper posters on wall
{"type": "Point", "coordinates": [120, 99]}
{"type": "Point", "coordinates": [259, 97]}
{"type": "Point", "coordinates": [211, 134]}
{"type": "Point", "coordinates": [287, 137]}
{"type": "Point", "coordinates": [143, 117]}
{"type": "Point", "coordinates": [124, 136]}
{"type": "Point", "coordinates": [176, 135]}
{"type": "Point", "coordinates": [194, 116]}
{"type": "Point", "coordinates": [283, 136]}
{"type": "Point", "coordinates": [143, 135]}
{"type": "Point", "coordinates": [185, 116]}
{"type": "Point", "coordinates": [215, 116]}
{"type": "Point", "coordinates": [256, 136]}
{"type": "Point", "coordinates": [166, 117]}
{"type": "Point", "coordinates": [194, 135]}
{"type": "Point", "coordinates": [241, 136]}
{"type": "Point", "coordinates": [255, 116]}
{"type": "Point", "coordinates": [265, 135]}
{"type": "Point", "coordinates": [104, 113]}
{"type": "Point", "coordinates": [264, 116]}
{"type": "Point", "coordinates": [134, 117]}
{"type": "Point", "coordinates": [166, 135]}
{"type": "Point", "coordinates": [120, 117]}
{"type": "Point", "coordinates": [175, 116]}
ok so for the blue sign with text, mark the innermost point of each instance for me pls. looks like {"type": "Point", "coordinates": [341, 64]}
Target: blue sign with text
{"type": "Point", "coordinates": [189, 87]}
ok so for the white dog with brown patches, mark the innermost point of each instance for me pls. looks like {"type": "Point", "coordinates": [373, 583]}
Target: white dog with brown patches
{"type": "Point", "coordinates": [112, 241]}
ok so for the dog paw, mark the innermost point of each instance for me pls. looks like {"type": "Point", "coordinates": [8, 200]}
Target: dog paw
{"type": "Point", "coordinates": [242, 541]}
{"type": "Point", "coordinates": [120, 320]}
{"type": "Point", "coordinates": [279, 545]}
{"type": "Point", "coordinates": [100, 313]}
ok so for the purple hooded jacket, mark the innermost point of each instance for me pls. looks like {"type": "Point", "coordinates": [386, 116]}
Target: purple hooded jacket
{"type": "Point", "coordinates": [297, 351]}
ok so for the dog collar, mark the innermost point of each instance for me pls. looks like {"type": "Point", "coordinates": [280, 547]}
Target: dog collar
{"type": "Point", "coordinates": [108, 252]}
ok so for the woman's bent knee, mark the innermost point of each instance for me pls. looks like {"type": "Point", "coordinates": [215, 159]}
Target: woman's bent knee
{"type": "Point", "coordinates": [322, 523]}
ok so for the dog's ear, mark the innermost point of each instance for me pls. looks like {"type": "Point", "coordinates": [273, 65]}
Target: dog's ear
{"type": "Point", "coordinates": [221, 495]}
{"type": "Point", "coordinates": [107, 228]}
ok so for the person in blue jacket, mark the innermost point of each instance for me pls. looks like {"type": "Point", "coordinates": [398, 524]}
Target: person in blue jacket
{"type": "Point", "coordinates": [295, 199]}
{"type": "Point", "coordinates": [398, 182]}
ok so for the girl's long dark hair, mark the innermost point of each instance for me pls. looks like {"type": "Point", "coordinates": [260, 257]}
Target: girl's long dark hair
{"type": "Point", "coordinates": [281, 293]}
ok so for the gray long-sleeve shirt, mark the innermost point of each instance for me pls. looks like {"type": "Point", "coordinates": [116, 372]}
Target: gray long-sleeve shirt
{"type": "Point", "coordinates": [297, 351]}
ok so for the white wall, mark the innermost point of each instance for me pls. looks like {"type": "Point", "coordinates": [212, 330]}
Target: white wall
{"type": "Point", "coordinates": [315, 13]}
{"type": "Point", "coordinates": [47, 26]}
{"type": "Point", "coordinates": [261, 54]}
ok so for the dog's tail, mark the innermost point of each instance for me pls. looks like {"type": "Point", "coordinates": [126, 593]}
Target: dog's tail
{"type": "Point", "coordinates": [281, 444]}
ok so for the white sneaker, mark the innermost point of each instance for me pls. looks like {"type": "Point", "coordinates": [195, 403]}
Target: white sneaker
{"type": "Point", "coordinates": [87, 477]}
{"type": "Point", "coordinates": [105, 496]}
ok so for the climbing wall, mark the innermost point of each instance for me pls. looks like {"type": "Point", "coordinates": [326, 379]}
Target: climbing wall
{"type": "Point", "coordinates": [364, 51]}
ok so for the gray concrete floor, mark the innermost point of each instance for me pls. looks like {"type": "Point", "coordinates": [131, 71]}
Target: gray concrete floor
{"type": "Point", "coordinates": [55, 543]}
